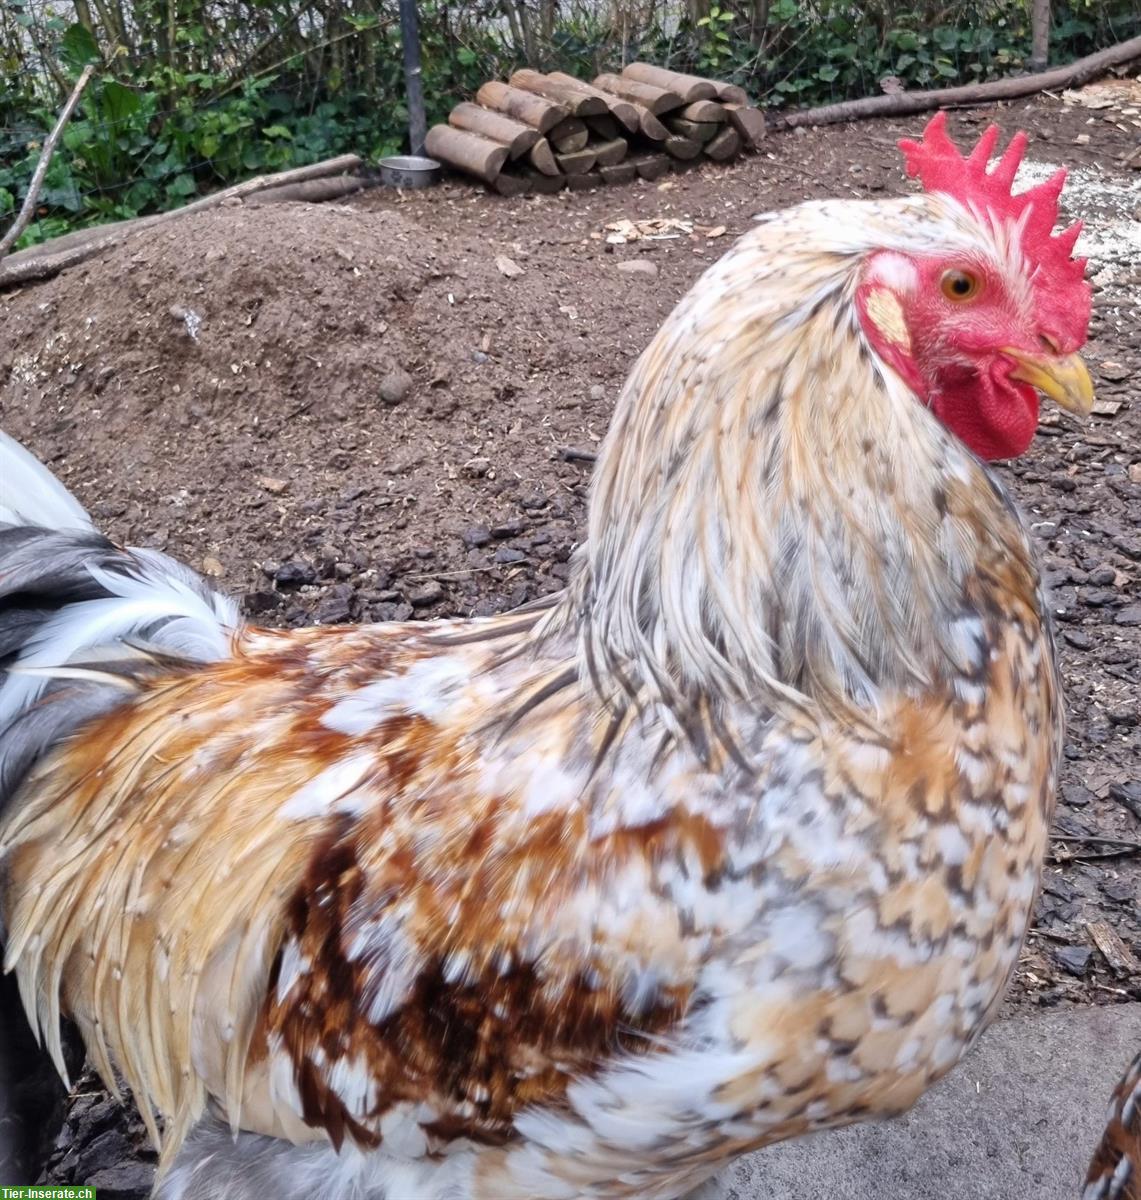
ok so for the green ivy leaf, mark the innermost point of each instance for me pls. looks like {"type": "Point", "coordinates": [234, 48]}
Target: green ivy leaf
{"type": "Point", "coordinates": [182, 185]}
{"type": "Point", "coordinates": [119, 103]}
{"type": "Point", "coordinates": [946, 38]}
{"type": "Point", "coordinates": [78, 47]}
{"type": "Point", "coordinates": [64, 195]}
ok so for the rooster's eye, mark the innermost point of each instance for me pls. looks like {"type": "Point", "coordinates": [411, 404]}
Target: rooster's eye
{"type": "Point", "coordinates": [959, 285]}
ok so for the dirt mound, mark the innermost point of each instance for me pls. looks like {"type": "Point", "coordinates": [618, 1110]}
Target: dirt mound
{"type": "Point", "coordinates": [298, 399]}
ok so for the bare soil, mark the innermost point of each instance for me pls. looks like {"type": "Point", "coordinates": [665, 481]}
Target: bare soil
{"type": "Point", "coordinates": [351, 412]}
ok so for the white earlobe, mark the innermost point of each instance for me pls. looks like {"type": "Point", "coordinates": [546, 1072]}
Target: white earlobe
{"type": "Point", "coordinates": [894, 271]}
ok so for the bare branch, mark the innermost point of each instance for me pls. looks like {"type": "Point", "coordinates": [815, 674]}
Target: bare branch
{"type": "Point", "coordinates": [905, 103]}
{"type": "Point", "coordinates": [37, 182]}
{"type": "Point", "coordinates": [49, 258]}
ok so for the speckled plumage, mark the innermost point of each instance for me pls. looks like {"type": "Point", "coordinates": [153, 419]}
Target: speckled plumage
{"type": "Point", "coordinates": [1115, 1172]}
{"type": "Point", "coordinates": [735, 840]}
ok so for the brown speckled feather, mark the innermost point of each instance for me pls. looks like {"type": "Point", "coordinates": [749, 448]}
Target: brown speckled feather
{"type": "Point", "coordinates": [1115, 1172]}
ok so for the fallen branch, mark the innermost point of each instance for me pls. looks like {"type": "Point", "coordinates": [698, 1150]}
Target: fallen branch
{"type": "Point", "coordinates": [1089, 841]}
{"type": "Point", "coordinates": [49, 258]}
{"type": "Point", "coordinates": [345, 164]}
{"type": "Point", "coordinates": [1115, 848]}
{"type": "Point", "coordinates": [574, 454]}
{"type": "Point", "coordinates": [24, 216]}
{"type": "Point", "coordinates": [906, 103]}
{"type": "Point", "coordinates": [311, 191]}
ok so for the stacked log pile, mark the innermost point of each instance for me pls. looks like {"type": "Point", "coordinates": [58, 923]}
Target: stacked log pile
{"type": "Point", "coordinates": [541, 133]}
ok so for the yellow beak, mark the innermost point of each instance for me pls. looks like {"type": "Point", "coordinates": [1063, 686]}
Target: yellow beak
{"type": "Point", "coordinates": [1065, 379]}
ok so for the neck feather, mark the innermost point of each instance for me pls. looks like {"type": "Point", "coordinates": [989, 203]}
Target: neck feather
{"type": "Point", "coordinates": [774, 515]}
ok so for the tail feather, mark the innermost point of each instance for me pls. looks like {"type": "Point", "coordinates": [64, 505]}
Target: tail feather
{"type": "Point", "coordinates": [31, 495]}
{"type": "Point", "coordinates": [70, 598]}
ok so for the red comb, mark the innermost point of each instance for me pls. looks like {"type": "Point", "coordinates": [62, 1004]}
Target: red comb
{"type": "Point", "coordinates": [942, 168]}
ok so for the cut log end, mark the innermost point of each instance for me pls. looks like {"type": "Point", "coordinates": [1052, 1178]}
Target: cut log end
{"type": "Point", "coordinates": [609, 153]}
{"type": "Point", "coordinates": [748, 122]}
{"type": "Point", "coordinates": [730, 93]}
{"type": "Point", "coordinates": [725, 145]}
{"type": "Point", "coordinates": [607, 127]}
{"type": "Point", "coordinates": [542, 158]}
{"type": "Point", "coordinates": [576, 163]}
{"type": "Point", "coordinates": [695, 131]}
{"type": "Point", "coordinates": [623, 172]}
{"type": "Point", "coordinates": [507, 184]}
{"type": "Point", "coordinates": [543, 184]}
{"type": "Point", "coordinates": [568, 136]}
{"type": "Point", "coordinates": [681, 147]}
{"type": "Point", "coordinates": [704, 112]}
{"type": "Point", "coordinates": [650, 127]}
{"type": "Point", "coordinates": [650, 166]}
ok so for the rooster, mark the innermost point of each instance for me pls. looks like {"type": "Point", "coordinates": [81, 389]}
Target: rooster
{"type": "Point", "coordinates": [1115, 1172]}
{"type": "Point", "coordinates": [736, 839]}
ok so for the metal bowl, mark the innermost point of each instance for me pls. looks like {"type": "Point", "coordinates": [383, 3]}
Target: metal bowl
{"type": "Point", "coordinates": [409, 171]}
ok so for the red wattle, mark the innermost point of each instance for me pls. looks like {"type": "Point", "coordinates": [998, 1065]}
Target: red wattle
{"type": "Point", "coordinates": [994, 416]}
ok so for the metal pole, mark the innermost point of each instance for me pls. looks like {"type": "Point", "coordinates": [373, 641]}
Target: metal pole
{"type": "Point", "coordinates": [1040, 34]}
{"type": "Point", "coordinates": [413, 89]}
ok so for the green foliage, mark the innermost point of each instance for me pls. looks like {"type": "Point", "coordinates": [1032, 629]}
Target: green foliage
{"type": "Point", "coordinates": [716, 43]}
{"type": "Point", "coordinates": [191, 96]}
{"type": "Point", "coordinates": [123, 156]}
{"type": "Point", "coordinates": [830, 50]}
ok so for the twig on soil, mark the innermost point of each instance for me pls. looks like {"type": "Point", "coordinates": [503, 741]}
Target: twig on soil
{"type": "Point", "coordinates": [906, 103]}
{"type": "Point", "coordinates": [1119, 957]}
{"type": "Point", "coordinates": [574, 454]}
{"type": "Point", "coordinates": [1093, 855]}
{"type": "Point", "coordinates": [1050, 935]}
{"type": "Point", "coordinates": [24, 216]}
{"type": "Point", "coordinates": [446, 574]}
{"type": "Point", "coordinates": [1066, 837]}
{"type": "Point", "coordinates": [1118, 848]}
{"type": "Point", "coordinates": [303, 407]}
{"type": "Point", "coordinates": [1104, 987]}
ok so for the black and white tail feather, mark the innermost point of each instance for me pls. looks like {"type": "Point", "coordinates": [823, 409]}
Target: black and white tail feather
{"type": "Point", "coordinates": [81, 619]}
